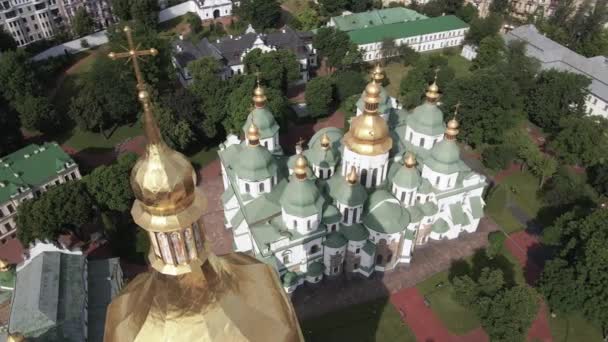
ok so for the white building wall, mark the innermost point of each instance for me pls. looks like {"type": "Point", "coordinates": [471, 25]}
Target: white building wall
{"type": "Point", "coordinates": [253, 188]}
{"type": "Point", "coordinates": [596, 106]}
{"type": "Point", "coordinates": [371, 164]}
{"type": "Point", "coordinates": [302, 225]}
{"type": "Point", "coordinates": [422, 140]}
{"type": "Point", "coordinates": [327, 253]}
{"type": "Point", "coordinates": [350, 215]}
{"type": "Point", "coordinates": [439, 180]}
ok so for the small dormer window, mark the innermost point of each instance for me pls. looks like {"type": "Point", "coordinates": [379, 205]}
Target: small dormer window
{"type": "Point", "coordinates": [247, 189]}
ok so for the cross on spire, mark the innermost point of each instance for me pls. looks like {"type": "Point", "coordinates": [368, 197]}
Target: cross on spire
{"type": "Point", "coordinates": [456, 108]}
{"type": "Point", "coordinates": [132, 54]}
{"type": "Point", "coordinates": [437, 69]}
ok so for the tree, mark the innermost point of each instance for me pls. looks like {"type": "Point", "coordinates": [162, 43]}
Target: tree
{"type": "Point", "coordinates": [6, 41]}
{"type": "Point", "coordinates": [575, 279]}
{"type": "Point", "coordinates": [211, 93]}
{"type": "Point", "coordinates": [176, 132]}
{"type": "Point", "coordinates": [489, 105]}
{"type": "Point", "coordinates": [195, 22]}
{"type": "Point", "coordinates": [335, 46]}
{"type": "Point", "coordinates": [598, 178]}
{"type": "Point", "coordinates": [499, 6]}
{"type": "Point", "coordinates": [307, 19]}
{"type": "Point", "coordinates": [543, 166]}
{"type": "Point", "coordinates": [16, 75]}
{"type": "Point", "coordinates": [37, 113]}
{"type": "Point", "coordinates": [105, 98]}
{"type": "Point", "coordinates": [82, 23]}
{"type": "Point", "coordinates": [109, 185]}
{"type": "Point", "coordinates": [496, 242]}
{"type": "Point", "coordinates": [491, 51]}
{"type": "Point", "coordinates": [262, 14]}
{"type": "Point", "coordinates": [499, 157]}
{"type": "Point", "coordinates": [145, 12]}
{"type": "Point", "coordinates": [348, 83]}
{"type": "Point", "coordinates": [581, 140]}
{"type": "Point", "coordinates": [10, 132]}
{"type": "Point", "coordinates": [409, 56]}
{"type": "Point", "coordinates": [565, 190]}
{"type": "Point", "coordinates": [278, 69]}
{"type": "Point", "coordinates": [122, 9]}
{"type": "Point", "coordinates": [483, 27]}
{"type": "Point", "coordinates": [332, 7]}
{"type": "Point", "coordinates": [388, 49]}
{"type": "Point", "coordinates": [318, 96]}
{"type": "Point", "coordinates": [467, 13]}
{"type": "Point", "coordinates": [557, 94]}
{"type": "Point", "coordinates": [518, 67]}
{"type": "Point", "coordinates": [414, 84]}
{"type": "Point", "coordinates": [65, 207]}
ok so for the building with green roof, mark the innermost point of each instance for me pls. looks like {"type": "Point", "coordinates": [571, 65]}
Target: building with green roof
{"type": "Point", "coordinates": [27, 173]}
{"type": "Point", "coordinates": [60, 296]}
{"type": "Point", "coordinates": [310, 225]}
{"type": "Point", "coordinates": [405, 27]}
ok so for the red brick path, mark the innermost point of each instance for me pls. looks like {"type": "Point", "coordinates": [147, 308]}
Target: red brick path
{"type": "Point", "coordinates": [423, 321]}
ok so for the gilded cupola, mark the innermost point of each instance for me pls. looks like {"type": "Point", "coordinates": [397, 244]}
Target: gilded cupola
{"type": "Point", "coordinates": [369, 133]}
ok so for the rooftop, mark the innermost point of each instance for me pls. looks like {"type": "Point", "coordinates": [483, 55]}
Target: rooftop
{"type": "Point", "coordinates": [406, 29]}
{"type": "Point", "coordinates": [552, 55]}
{"type": "Point", "coordinates": [355, 21]}
{"type": "Point", "coordinates": [31, 166]}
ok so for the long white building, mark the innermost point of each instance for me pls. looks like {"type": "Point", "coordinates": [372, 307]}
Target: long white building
{"type": "Point", "coordinates": [354, 202]}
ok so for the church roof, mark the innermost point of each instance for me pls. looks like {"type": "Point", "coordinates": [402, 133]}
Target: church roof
{"type": "Point", "coordinates": [254, 163]}
{"type": "Point", "coordinates": [342, 191]}
{"type": "Point", "coordinates": [427, 119]}
{"type": "Point", "coordinates": [440, 226]}
{"type": "Point", "coordinates": [407, 177]}
{"type": "Point", "coordinates": [375, 17]}
{"type": "Point", "coordinates": [264, 121]}
{"type": "Point", "coordinates": [315, 269]}
{"type": "Point", "coordinates": [302, 198]}
{"type": "Point", "coordinates": [387, 217]}
{"type": "Point", "coordinates": [331, 215]}
{"type": "Point", "coordinates": [445, 157]}
{"type": "Point", "coordinates": [335, 240]}
{"type": "Point", "coordinates": [354, 232]}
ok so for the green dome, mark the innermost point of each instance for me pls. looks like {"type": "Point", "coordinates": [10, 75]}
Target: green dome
{"type": "Point", "coordinates": [265, 122]}
{"type": "Point", "coordinates": [426, 119]}
{"type": "Point", "coordinates": [440, 226]}
{"type": "Point", "coordinates": [255, 163]}
{"type": "Point", "coordinates": [300, 198]}
{"type": "Point", "coordinates": [416, 213]}
{"type": "Point", "coordinates": [429, 208]}
{"type": "Point", "coordinates": [407, 177]}
{"type": "Point", "coordinates": [345, 193]}
{"type": "Point", "coordinates": [315, 269]}
{"type": "Point", "coordinates": [355, 232]}
{"type": "Point", "coordinates": [331, 215]}
{"type": "Point", "coordinates": [377, 197]}
{"type": "Point", "coordinates": [444, 157]}
{"type": "Point", "coordinates": [322, 158]}
{"type": "Point", "coordinates": [388, 217]}
{"type": "Point", "coordinates": [335, 240]}
{"type": "Point", "coordinates": [290, 279]}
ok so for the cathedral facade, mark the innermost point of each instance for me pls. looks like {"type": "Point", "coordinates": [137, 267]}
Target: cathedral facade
{"type": "Point", "coordinates": [353, 202]}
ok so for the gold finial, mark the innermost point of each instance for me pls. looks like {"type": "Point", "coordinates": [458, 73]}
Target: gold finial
{"type": "Point", "coordinates": [452, 130]}
{"type": "Point", "coordinates": [253, 134]}
{"type": "Point", "coordinates": [352, 177]}
{"type": "Point", "coordinates": [410, 161]}
{"type": "Point", "coordinates": [301, 167]}
{"type": "Point", "coordinates": [259, 95]}
{"type": "Point", "coordinates": [15, 337]}
{"type": "Point", "coordinates": [378, 74]}
{"type": "Point", "coordinates": [432, 92]}
{"type": "Point", "coordinates": [4, 265]}
{"type": "Point", "coordinates": [325, 142]}
{"type": "Point", "coordinates": [372, 98]}
{"type": "Point", "coordinates": [132, 54]}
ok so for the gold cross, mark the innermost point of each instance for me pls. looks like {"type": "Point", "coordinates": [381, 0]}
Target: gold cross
{"type": "Point", "coordinates": [437, 69]}
{"type": "Point", "coordinates": [300, 142]}
{"type": "Point", "coordinates": [456, 108]}
{"type": "Point", "coordinates": [132, 54]}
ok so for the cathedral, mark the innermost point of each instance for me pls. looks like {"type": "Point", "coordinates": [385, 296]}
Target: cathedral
{"type": "Point", "coordinates": [354, 202]}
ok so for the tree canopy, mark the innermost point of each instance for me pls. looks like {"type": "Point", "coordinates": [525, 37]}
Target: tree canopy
{"type": "Point", "coordinates": [483, 27]}
{"type": "Point", "coordinates": [109, 185]}
{"type": "Point", "coordinates": [82, 23]}
{"type": "Point", "coordinates": [319, 96]}
{"type": "Point", "coordinates": [336, 47]}
{"type": "Point", "coordinates": [422, 73]}
{"type": "Point", "coordinates": [10, 131]}
{"type": "Point", "coordinates": [491, 52]}
{"type": "Point", "coordinates": [262, 14]}
{"type": "Point", "coordinates": [348, 83]}
{"type": "Point", "coordinates": [277, 69]}
{"type": "Point", "coordinates": [581, 140]}
{"type": "Point", "coordinates": [37, 113]}
{"type": "Point", "coordinates": [6, 41]}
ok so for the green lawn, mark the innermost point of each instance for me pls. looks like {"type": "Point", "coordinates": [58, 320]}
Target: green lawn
{"type": "Point", "coordinates": [457, 319]}
{"type": "Point", "coordinates": [525, 187]}
{"type": "Point", "coordinates": [505, 220]}
{"type": "Point", "coordinates": [395, 72]}
{"type": "Point", "coordinates": [376, 321]}
{"type": "Point", "coordinates": [573, 328]}
{"type": "Point", "coordinates": [459, 64]}
{"type": "Point", "coordinates": [80, 140]}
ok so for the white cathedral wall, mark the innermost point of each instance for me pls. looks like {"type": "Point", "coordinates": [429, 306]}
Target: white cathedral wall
{"type": "Point", "coordinates": [406, 197]}
{"type": "Point", "coordinates": [369, 163]}
{"type": "Point", "coordinates": [327, 253]}
{"type": "Point", "coordinates": [350, 218]}
{"type": "Point", "coordinates": [439, 180]}
{"type": "Point", "coordinates": [422, 140]}
{"type": "Point", "coordinates": [352, 246]}
{"type": "Point", "coordinates": [224, 7]}
{"type": "Point", "coordinates": [243, 241]}
{"type": "Point", "coordinates": [322, 172]}
{"type": "Point", "coordinates": [406, 251]}
{"type": "Point", "coordinates": [254, 188]}
{"type": "Point", "coordinates": [302, 225]}
{"type": "Point", "coordinates": [271, 143]}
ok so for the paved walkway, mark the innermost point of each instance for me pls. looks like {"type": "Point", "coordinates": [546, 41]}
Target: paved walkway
{"type": "Point", "coordinates": [423, 321]}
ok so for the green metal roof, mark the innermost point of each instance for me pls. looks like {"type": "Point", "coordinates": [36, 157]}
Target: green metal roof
{"type": "Point", "coordinates": [301, 198]}
{"type": "Point", "coordinates": [31, 166]}
{"type": "Point", "coordinates": [409, 234]}
{"type": "Point", "coordinates": [427, 119]}
{"type": "Point", "coordinates": [335, 136]}
{"type": "Point", "coordinates": [425, 187]}
{"type": "Point", "coordinates": [345, 193]}
{"type": "Point", "coordinates": [416, 213]}
{"type": "Point", "coordinates": [458, 216]}
{"type": "Point", "coordinates": [476, 207]}
{"type": "Point", "coordinates": [378, 196]}
{"type": "Point", "coordinates": [375, 17]}
{"type": "Point", "coordinates": [355, 232]}
{"type": "Point", "coordinates": [429, 208]}
{"type": "Point", "coordinates": [369, 248]}
{"type": "Point", "coordinates": [323, 158]}
{"type": "Point", "coordinates": [445, 157]}
{"type": "Point", "coordinates": [289, 279]}
{"type": "Point", "coordinates": [315, 269]}
{"type": "Point", "coordinates": [255, 163]}
{"type": "Point", "coordinates": [407, 178]}
{"type": "Point", "coordinates": [335, 240]}
{"type": "Point", "coordinates": [331, 215]}
{"type": "Point", "coordinates": [265, 122]}
{"type": "Point", "coordinates": [388, 217]}
{"type": "Point", "coordinates": [440, 226]}
{"type": "Point", "coordinates": [407, 29]}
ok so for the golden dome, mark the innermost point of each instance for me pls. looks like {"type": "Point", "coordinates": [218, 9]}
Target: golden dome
{"type": "Point", "coordinates": [259, 96]}
{"type": "Point", "coordinates": [410, 160]}
{"type": "Point", "coordinates": [452, 128]}
{"type": "Point", "coordinates": [15, 337]}
{"type": "Point", "coordinates": [325, 142]}
{"type": "Point", "coordinates": [368, 135]}
{"type": "Point", "coordinates": [4, 265]}
{"type": "Point", "coordinates": [301, 167]}
{"type": "Point", "coordinates": [378, 74]}
{"type": "Point", "coordinates": [253, 134]}
{"type": "Point", "coordinates": [432, 92]}
{"type": "Point", "coordinates": [352, 177]}
{"type": "Point", "coordinates": [372, 93]}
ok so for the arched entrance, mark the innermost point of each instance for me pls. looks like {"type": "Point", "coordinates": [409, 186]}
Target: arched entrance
{"type": "Point", "coordinates": [216, 14]}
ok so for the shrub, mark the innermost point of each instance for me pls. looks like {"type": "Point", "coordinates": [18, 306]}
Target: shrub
{"type": "Point", "coordinates": [498, 157]}
{"type": "Point", "coordinates": [84, 44]}
{"type": "Point", "coordinates": [496, 241]}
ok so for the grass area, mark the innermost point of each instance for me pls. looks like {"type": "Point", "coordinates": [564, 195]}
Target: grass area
{"type": "Point", "coordinates": [395, 72]}
{"type": "Point", "coordinates": [573, 328]}
{"type": "Point", "coordinates": [460, 65]}
{"type": "Point", "coordinates": [295, 6]}
{"type": "Point", "coordinates": [505, 220]}
{"type": "Point", "coordinates": [524, 188]}
{"type": "Point", "coordinates": [80, 140]}
{"type": "Point", "coordinates": [456, 318]}
{"type": "Point", "coordinates": [376, 321]}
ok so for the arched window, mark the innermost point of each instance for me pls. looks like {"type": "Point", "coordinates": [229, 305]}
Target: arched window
{"type": "Point", "coordinates": [247, 189]}
{"type": "Point", "coordinates": [374, 176]}
{"type": "Point", "coordinates": [389, 258]}
{"type": "Point", "coordinates": [421, 142]}
{"type": "Point", "coordinates": [314, 249]}
{"type": "Point", "coordinates": [358, 250]}
{"type": "Point", "coordinates": [364, 177]}
{"type": "Point", "coordinates": [411, 136]}
{"type": "Point", "coordinates": [355, 215]}
{"type": "Point", "coordinates": [379, 259]}
{"type": "Point", "coordinates": [437, 180]}
{"type": "Point", "coordinates": [261, 186]}
{"type": "Point", "coordinates": [308, 224]}
{"type": "Point", "coordinates": [402, 196]}
{"type": "Point", "coordinates": [449, 181]}
{"type": "Point", "coordinates": [334, 227]}
{"type": "Point", "coordinates": [285, 259]}
{"type": "Point", "coordinates": [295, 223]}
{"type": "Point", "coordinates": [346, 212]}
